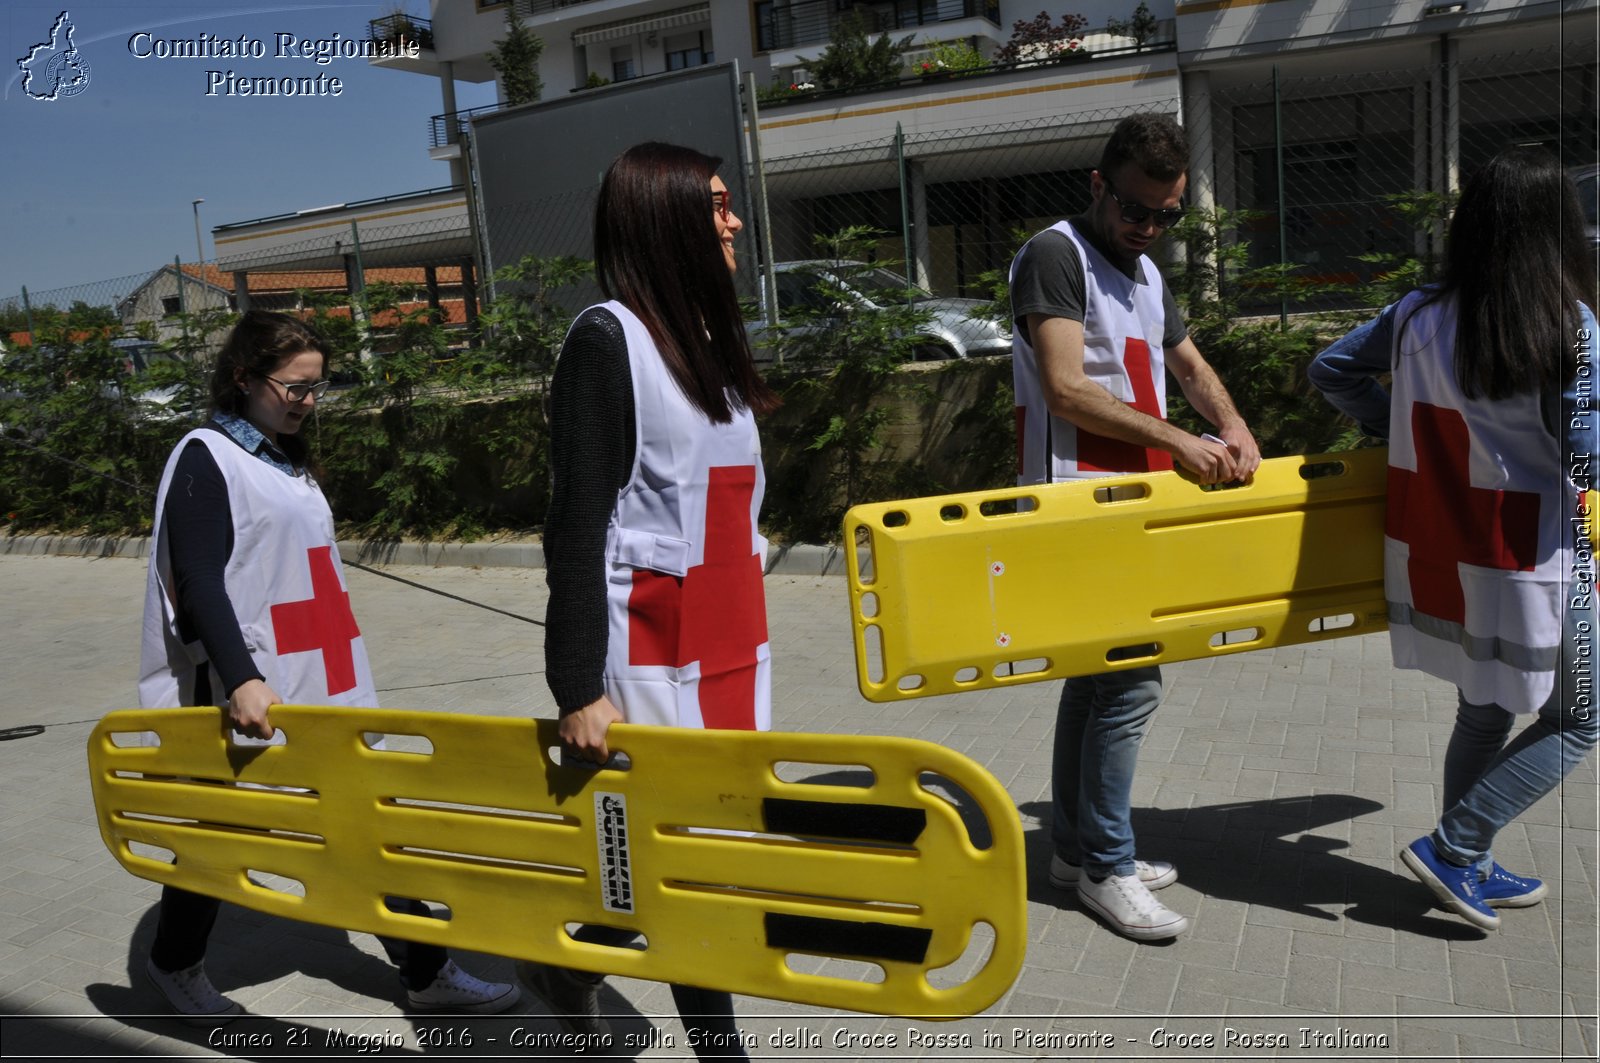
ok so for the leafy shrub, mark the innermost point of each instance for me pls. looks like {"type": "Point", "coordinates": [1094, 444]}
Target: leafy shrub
{"type": "Point", "coordinates": [1260, 360]}
{"type": "Point", "coordinates": [1141, 26]}
{"type": "Point", "coordinates": [956, 59]}
{"type": "Point", "coordinates": [1040, 38]}
{"type": "Point", "coordinates": [79, 454]}
{"type": "Point", "coordinates": [393, 452]}
{"type": "Point", "coordinates": [851, 61]}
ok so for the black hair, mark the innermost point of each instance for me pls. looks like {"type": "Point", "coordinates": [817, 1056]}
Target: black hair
{"type": "Point", "coordinates": [1155, 143]}
{"type": "Point", "coordinates": [1517, 265]}
{"type": "Point", "coordinates": [657, 252]}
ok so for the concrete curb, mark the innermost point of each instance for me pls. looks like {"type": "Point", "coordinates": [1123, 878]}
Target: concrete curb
{"type": "Point", "coordinates": [529, 554]}
{"type": "Point", "coordinates": [798, 559]}
{"type": "Point", "coordinates": [75, 545]}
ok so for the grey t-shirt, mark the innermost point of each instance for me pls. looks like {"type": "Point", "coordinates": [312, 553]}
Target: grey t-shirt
{"type": "Point", "coordinates": [1049, 280]}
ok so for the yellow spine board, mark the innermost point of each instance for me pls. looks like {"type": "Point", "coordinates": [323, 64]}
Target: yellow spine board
{"type": "Point", "coordinates": [868, 860]}
{"type": "Point", "coordinates": [967, 591]}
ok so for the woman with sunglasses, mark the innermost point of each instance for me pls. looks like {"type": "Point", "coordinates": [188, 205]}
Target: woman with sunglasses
{"type": "Point", "coordinates": [657, 482]}
{"type": "Point", "coordinates": [1491, 428]}
{"type": "Point", "coordinates": [241, 527]}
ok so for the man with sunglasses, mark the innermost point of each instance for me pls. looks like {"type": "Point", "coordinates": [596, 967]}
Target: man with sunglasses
{"type": "Point", "coordinates": [1096, 332]}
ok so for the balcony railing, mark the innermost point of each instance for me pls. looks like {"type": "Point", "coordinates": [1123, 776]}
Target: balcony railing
{"type": "Point", "coordinates": [529, 8]}
{"type": "Point", "coordinates": [800, 23]}
{"type": "Point", "coordinates": [393, 27]}
{"type": "Point", "coordinates": [439, 124]}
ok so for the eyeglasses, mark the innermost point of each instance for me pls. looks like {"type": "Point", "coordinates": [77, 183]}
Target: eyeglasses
{"type": "Point", "coordinates": [298, 392]}
{"type": "Point", "coordinates": [722, 203]}
{"type": "Point", "coordinates": [1138, 213]}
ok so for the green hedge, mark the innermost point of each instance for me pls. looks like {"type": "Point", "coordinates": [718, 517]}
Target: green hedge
{"type": "Point", "coordinates": [440, 442]}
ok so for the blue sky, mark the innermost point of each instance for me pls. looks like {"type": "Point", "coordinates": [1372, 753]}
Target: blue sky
{"type": "Point", "coordinates": [98, 185]}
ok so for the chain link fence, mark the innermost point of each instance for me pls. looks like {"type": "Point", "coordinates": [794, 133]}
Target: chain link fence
{"type": "Point", "coordinates": [952, 207]}
{"type": "Point", "coordinates": [1347, 174]}
{"type": "Point", "coordinates": [94, 304]}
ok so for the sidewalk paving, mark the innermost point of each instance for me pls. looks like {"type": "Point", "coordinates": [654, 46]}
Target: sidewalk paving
{"type": "Point", "coordinates": [1281, 782]}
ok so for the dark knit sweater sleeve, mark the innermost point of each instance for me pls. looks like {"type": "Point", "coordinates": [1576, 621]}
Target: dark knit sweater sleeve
{"type": "Point", "coordinates": [199, 525]}
{"type": "Point", "coordinates": [592, 441]}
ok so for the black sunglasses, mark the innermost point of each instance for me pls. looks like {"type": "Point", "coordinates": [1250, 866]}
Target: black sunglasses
{"type": "Point", "coordinates": [1138, 213]}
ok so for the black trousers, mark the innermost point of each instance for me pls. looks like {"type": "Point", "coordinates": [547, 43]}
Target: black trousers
{"type": "Point", "coordinates": [186, 919]}
{"type": "Point", "coordinates": [707, 1014]}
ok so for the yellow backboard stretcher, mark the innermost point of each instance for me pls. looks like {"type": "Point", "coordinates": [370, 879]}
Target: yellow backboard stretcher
{"type": "Point", "coordinates": [735, 877]}
{"type": "Point", "coordinates": [967, 591]}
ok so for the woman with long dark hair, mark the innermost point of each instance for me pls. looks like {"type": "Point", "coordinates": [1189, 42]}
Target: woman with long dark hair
{"type": "Point", "coordinates": [656, 612]}
{"type": "Point", "coordinates": [241, 525]}
{"type": "Point", "coordinates": [1488, 575]}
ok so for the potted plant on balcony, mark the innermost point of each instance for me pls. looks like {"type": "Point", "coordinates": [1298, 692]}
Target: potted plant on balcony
{"type": "Point", "coordinates": [1040, 40]}
{"type": "Point", "coordinates": [953, 60]}
{"type": "Point", "coordinates": [1141, 26]}
{"type": "Point", "coordinates": [851, 61]}
{"type": "Point", "coordinates": [781, 90]}
{"type": "Point", "coordinates": [397, 27]}
{"type": "Point", "coordinates": [516, 60]}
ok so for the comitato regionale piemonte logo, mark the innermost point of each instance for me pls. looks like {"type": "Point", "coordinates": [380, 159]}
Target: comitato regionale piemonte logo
{"type": "Point", "coordinates": [55, 69]}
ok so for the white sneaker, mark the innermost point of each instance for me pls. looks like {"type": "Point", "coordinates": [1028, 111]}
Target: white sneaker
{"type": "Point", "coordinates": [1129, 908]}
{"type": "Point", "coordinates": [453, 989]}
{"type": "Point", "coordinates": [1153, 873]}
{"type": "Point", "coordinates": [192, 995]}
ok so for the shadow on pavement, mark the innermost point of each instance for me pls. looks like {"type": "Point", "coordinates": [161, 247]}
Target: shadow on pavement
{"type": "Point", "coordinates": [247, 948]}
{"type": "Point", "coordinates": [1267, 853]}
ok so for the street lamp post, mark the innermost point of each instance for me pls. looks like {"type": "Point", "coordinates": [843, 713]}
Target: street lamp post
{"type": "Point", "coordinates": [200, 259]}
{"type": "Point", "coordinates": [199, 248]}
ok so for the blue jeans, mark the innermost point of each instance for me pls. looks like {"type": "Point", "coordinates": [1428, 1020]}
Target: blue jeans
{"type": "Point", "coordinates": [1099, 726]}
{"type": "Point", "coordinates": [1488, 783]}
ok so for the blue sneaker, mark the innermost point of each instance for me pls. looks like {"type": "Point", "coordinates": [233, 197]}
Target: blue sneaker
{"type": "Point", "coordinates": [1456, 887]}
{"type": "Point", "coordinates": [1502, 889]}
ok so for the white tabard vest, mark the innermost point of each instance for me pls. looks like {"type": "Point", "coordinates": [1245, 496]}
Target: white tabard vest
{"type": "Point", "coordinates": [285, 582]}
{"type": "Point", "coordinates": [687, 642]}
{"type": "Point", "coordinates": [1475, 544]}
{"type": "Point", "coordinates": [1123, 330]}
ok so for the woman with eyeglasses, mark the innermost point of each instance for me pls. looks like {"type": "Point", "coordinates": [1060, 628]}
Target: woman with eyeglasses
{"type": "Point", "coordinates": [657, 483]}
{"type": "Point", "coordinates": [242, 529]}
{"type": "Point", "coordinates": [1491, 426]}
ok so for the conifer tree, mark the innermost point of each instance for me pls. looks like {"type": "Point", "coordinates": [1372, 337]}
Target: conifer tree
{"type": "Point", "coordinates": [516, 60]}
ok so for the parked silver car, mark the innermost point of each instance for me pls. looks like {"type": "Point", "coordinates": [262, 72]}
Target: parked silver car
{"type": "Point", "coordinates": [954, 328]}
{"type": "Point", "coordinates": [1587, 178]}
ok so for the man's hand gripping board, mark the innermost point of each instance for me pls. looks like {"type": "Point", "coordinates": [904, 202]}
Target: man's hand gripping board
{"type": "Point", "coordinates": [887, 877]}
{"type": "Point", "coordinates": [967, 591]}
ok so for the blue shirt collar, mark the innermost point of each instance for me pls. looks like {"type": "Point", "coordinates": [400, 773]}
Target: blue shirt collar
{"type": "Point", "coordinates": [250, 438]}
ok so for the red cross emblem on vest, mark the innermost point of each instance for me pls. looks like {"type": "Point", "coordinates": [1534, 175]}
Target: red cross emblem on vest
{"type": "Point", "coordinates": [716, 614]}
{"type": "Point", "coordinates": [1097, 453]}
{"type": "Point", "coordinates": [1447, 522]}
{"type": "Point", "coordinates": [322, 622]}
